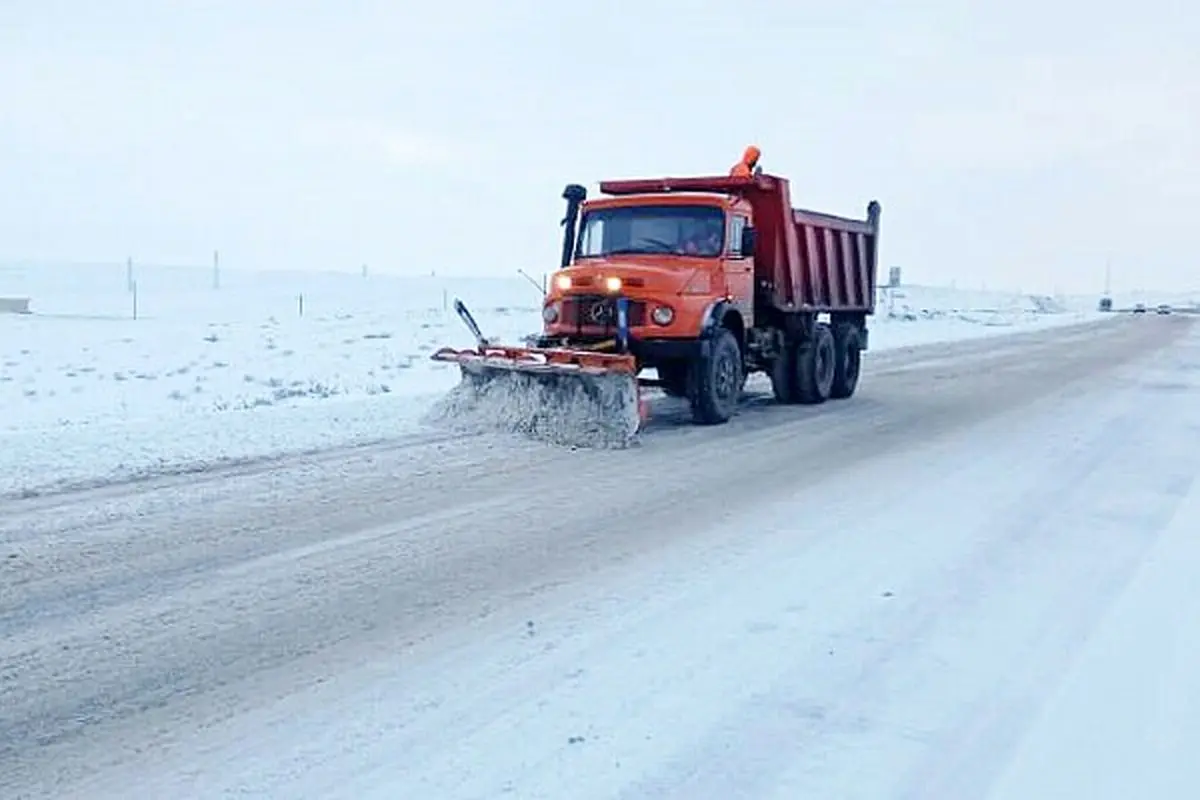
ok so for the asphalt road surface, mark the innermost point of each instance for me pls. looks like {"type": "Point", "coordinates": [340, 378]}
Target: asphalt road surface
{"type": "Point", "coordinates": [871, 598]}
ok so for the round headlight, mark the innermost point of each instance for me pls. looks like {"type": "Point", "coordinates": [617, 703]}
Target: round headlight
{"type": "Point", "coordinates": [563, 282]}
{"type": "Point", "coordinates": [613, 284]}
{"type": "Point", "coordinates": [550, 312]}
{"type": "Point", "coordinates": [662, 315]}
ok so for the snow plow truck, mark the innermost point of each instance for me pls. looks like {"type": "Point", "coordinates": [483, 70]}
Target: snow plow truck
{"type": "Point", "coordinates": [702, 279]}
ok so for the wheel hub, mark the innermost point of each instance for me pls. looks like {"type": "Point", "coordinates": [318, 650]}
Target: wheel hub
{"type": "Point", "coordinates": [724, 377]}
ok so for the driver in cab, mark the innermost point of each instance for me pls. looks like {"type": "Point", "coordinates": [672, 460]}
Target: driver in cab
{"type": "Point", "coordinates": [705, 240]}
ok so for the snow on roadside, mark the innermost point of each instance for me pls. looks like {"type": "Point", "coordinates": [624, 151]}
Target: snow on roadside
{"type": "Point", "coordinates": [916, 315]}
{"type": "Point", "coordinates": [288, 362]}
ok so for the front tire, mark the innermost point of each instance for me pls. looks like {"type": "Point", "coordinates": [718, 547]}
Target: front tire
{"type": "Point", "coordinates": [718, 380]}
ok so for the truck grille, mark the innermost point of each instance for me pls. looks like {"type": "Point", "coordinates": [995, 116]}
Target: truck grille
{"type": "Point", "coordinates": [598, 313]}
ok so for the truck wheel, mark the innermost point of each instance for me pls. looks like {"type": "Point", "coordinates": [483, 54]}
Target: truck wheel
{"type": "Point", "coordinates": [674, 377]}
{"type": "Point", "coordinates": [847, 361]}
{"type": "Point", "coordinates": [717, 381]}
{"type": "Point", "coordinates": [783, 375]}
{"type": "Point", "coordinates": [815, 363]}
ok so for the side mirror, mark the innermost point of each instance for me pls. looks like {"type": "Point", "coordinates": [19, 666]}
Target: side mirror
{"type": "Point", "coordinates": [749, 238]}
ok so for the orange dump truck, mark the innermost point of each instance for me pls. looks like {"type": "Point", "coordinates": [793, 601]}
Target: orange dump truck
{"type": "Point", "coordinates": [704, 280]}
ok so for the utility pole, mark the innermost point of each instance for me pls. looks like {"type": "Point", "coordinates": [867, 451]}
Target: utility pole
{"type": "Point", "coordinates": [1107, 277]}
{"type": "Point", "coordinates": [216, 270]}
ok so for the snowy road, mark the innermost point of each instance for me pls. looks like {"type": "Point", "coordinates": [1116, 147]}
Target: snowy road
{"type": "Point", "coordinates": [910, 594]}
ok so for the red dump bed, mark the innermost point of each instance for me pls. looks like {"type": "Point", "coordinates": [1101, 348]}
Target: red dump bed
{"type": "Point", "coordinates": [805, 260]}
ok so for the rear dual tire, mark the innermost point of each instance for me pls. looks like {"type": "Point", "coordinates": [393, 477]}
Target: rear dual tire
{"type": "Point", "coordinates": [848, 361]}
{"type": "Point", "coordinates": [822, 367]}
{"type": "Point", "coordinates": [815, 367]}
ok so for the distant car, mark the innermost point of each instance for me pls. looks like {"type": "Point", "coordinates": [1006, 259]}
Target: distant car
{"type": "Point", "coordinates": [1140, 308]}
{"type": "Point", "coordinates": [1163, 309]}
{"type": "Point", "coordinates": [1106, 304]}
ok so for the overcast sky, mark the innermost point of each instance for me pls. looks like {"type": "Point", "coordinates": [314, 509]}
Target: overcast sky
{"type": "Point", "coordinates": [1015, 144]}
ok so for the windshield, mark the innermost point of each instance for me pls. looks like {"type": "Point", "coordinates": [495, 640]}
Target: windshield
{"type": "Point", "coordinates": [675, 230]}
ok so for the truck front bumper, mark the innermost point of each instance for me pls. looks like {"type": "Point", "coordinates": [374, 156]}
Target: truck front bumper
{"type": "Point", "coordinates": [648, 351]}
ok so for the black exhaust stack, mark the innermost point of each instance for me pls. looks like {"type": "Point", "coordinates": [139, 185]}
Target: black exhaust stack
{"type": "Point", "coordinates": [574, 194]}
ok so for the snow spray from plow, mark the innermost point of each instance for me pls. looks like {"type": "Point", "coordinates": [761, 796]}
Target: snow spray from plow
{"type": "Point", "coordinates": [564, 396]}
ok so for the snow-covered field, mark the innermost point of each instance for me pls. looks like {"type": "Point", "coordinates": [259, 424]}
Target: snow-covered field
{"type": "Point", "coordinates": [102, 382]}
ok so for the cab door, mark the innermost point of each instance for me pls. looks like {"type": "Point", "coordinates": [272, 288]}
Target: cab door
{"type": "Point", "coordinates": [739, 268]}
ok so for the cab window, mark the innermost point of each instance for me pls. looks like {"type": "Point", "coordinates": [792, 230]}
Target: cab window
{"type": "Point", "coordinates": [736, 226]}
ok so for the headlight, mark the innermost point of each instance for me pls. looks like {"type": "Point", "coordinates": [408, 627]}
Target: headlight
{"type": "Point", "coordinates": [612, 284]}
{"type": "Point", "coordinates": [662, 315]}
{"type": "Point", "coordinates": [563, 282]}
{"type": "Point", "coordinates": [550, 312]}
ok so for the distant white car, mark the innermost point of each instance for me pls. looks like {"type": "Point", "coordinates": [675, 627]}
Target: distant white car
{"type": "Point", "coordinates": [1163, 309]}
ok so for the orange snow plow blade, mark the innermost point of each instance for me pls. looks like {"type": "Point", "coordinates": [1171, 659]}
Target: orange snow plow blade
{"type": "Point", "coordinates": [574, 397]}
{"type": "Point", "coordinates": [541, 360]}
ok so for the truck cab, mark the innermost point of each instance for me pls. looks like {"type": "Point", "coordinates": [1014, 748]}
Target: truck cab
{"type": "Point", "coordinates": [670, 255]}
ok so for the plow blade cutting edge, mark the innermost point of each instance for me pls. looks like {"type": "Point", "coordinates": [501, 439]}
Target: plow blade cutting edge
{"type": "Point", "coordinates": [565, 396]}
